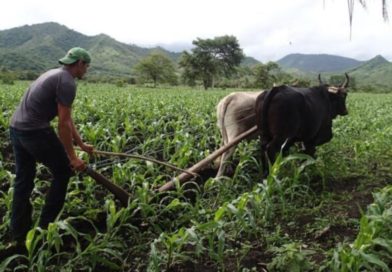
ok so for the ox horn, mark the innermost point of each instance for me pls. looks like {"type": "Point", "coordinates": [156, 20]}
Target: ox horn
{"type": "Point", "coordinates": [346, 81]}
{"type": "Point", "coordinates": [320, 81]}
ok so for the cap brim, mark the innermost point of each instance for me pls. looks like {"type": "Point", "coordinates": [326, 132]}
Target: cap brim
{"type": "Point", "coordinates": [66, 60]}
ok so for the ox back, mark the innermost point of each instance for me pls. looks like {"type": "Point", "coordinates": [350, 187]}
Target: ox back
{"type": "Point", "coordinates": [285, 115]}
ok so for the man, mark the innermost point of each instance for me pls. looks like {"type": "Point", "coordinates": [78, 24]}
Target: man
{"type": "Point", "coordinates": [34, 140]}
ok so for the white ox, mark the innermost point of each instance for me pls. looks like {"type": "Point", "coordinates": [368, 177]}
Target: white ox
{"type": "Point", "coordinates": [235, 115]}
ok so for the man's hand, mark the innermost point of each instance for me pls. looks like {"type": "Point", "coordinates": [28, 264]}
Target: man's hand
{"type": "Point", "coordinates": [78, 164]}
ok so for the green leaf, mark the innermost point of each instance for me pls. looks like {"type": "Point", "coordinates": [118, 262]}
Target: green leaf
{"type": "Point", "coordinates": [7, 261]}
{"type": "Point", "coordinates": [373, 259]}
{"type": "Point", "coordinates": [174, 203]}
{"type": "Point", "coordinates": [219, 213]}
{"type": "Point", "coordinates": [29, 240]}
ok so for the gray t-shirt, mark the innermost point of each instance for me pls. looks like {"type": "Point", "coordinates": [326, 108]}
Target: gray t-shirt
{"type": "Point", "coordinates": [39, 104]}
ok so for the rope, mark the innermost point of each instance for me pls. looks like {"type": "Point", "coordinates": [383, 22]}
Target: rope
{"type": "Point", "coordinates": [139, 157]}
{"type": "Point", "coordinates": [108, 161]}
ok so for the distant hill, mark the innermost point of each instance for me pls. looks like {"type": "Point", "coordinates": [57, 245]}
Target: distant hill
{"type": "Point", "coordinates": [38, 47]}
{"type": "Point", "coordinates": [375, 72]}
{"type": "Point", "coordinates": [319, 63]}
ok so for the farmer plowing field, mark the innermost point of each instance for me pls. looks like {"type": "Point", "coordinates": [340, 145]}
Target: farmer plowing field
{"type": "Point", "coordinates": [34, 140]}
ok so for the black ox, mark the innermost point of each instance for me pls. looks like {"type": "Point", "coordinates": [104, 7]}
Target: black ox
{"type": "Point", "coordinates": [285, 115]}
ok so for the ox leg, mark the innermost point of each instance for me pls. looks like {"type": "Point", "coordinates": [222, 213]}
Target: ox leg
{"type": "Point", "coordinates": [289, 142]}
{"type": "Point", "coordinates": [269, 151]}
{"type": "Point", "coordinates": [264, 162]}
{"type": "Point", "coordinates": [310, 149]}
{"type": "Point", "coordinates": [223, 162]}
{"type": "Point", "coordinates": [272, 149]}
{"type": "Point", "coordinates": [264, 157]}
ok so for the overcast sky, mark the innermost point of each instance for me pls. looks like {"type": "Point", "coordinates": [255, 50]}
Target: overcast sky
{"type": "Point", "coordinates": [266, 30]}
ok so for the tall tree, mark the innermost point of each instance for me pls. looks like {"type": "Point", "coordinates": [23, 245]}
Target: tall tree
{"type": "Point", "coordinates": [157, 68]}
{"type": "Point", "coordinates": [211, 58]}
{"type": "Point", "coordinates": [266, 74]}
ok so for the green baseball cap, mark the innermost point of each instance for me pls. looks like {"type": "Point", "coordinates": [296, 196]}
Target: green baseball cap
{"type": "Point", "coordinates": [75, 54]}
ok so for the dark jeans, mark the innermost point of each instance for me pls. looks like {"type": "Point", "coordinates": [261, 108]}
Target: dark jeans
{"type": "Point", "coordinates": [31, 147]}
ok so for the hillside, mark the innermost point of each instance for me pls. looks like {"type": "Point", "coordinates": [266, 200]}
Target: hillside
{"type": "Point", "coordinates": [375, 72]}
{"type": "Point", "coordinates": [38, 47]}
{"type": "Point", "coordinates": [319, 63]}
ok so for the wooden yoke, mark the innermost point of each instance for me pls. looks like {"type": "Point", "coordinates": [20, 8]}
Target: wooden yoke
{"type": "Point", "coordinates": [199, 166]}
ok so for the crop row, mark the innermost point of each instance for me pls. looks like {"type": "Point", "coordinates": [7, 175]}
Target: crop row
{"type": "Point", "coordinates": [303, 217]}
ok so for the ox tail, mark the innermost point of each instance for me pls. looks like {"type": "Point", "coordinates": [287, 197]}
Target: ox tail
{"type": "Point", "coordinates": [264, 126]}
{"type": "Point", "coordinates": [221, 114]}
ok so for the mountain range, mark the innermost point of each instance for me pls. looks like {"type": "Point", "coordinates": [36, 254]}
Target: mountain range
{"type": "Point", "coordinates": [375, 72]}
{"type": "Point", "coordinates": [38, 47]}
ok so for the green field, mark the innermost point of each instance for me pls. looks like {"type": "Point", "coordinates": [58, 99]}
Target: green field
{"type": "Point", "coordinates": [332, 213]}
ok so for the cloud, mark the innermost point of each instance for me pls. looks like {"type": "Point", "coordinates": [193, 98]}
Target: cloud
{"type": "Point", "coordinates": [266, 30]}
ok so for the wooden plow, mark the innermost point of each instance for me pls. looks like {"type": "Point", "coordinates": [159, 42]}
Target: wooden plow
{"type": "Point", "coordinates": [123, 196]}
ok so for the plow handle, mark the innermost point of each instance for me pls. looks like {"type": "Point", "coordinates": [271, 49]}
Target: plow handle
{"type": "Point", "coordinates": [117, 191]}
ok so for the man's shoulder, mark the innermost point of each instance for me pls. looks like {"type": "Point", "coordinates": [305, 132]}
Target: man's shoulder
{"type": "Point", "coordinates": [58, 75]}
{"type": "Point", "coordinates": [55, 72]}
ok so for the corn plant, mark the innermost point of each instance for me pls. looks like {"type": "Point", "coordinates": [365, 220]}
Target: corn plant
{"type": "Point", "coordinates": [373, 246]}
{"type": "Point", "coordinates": [221, 224]}
{"type": "Point", "coordinates": [291, 257]}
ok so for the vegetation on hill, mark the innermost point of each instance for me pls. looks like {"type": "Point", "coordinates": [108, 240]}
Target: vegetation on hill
{"type": "Point", "coordinates": [318, 63]}
{"type": "Point", "coordinates": [27, 51]}
{"type": "Point", "coordinates": [38, 47]}
{"type": "Point", "coordinates": [374, 75]}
